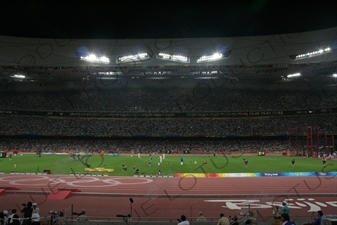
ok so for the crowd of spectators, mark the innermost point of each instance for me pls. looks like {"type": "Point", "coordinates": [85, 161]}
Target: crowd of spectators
{"type": "Point", "coordinates": [173, 99]}
{"type": "Point", "coordinates": [142, 146]}
{"type": "Point", "coordinates": [166, 127]}
{"type": "Point", "coordinates": [201, 98]}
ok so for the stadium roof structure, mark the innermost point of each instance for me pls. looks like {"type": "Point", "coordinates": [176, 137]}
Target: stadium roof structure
{"type": "Point", "coordinates": [270, 58]}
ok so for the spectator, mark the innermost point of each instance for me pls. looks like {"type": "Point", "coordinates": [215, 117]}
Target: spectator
{"type": "Point", "coordinates": [82, 216]}
{"type": "Point", "coordinates": [35, 219]}
{"type": "Point", "coordinates": [13, 219]}
{"type": "Point", "coordinates": [251, 219]}
{"type": "Point", "coordinates": [3, 217]}
{"type": "Point", "coordinates": [183, 220]}
{"type": "Point", "coordinates": [234, 221]}
{"type": "Point", "coordinates": [286, 219]}
{"type": "Point", "coordinates": [201, 218]}
{"type": "Point", "coordinates": [27, 213]}
{"type": "Point", "coordinates": [277, 212]}
{"type": "Point", "coordinates": [223, 220]}
{"type": "Point", "coordinates": [285, 208]}
{"type": "Point", "coordinates": [60, 219]}
{"type": "Point", "coordinates": [35, 208]}
{"type": "Point", "coordinates": [318, 219]}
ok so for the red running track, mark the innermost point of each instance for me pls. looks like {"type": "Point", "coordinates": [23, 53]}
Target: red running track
{"type": "Point", "coordinates": [171, 197]}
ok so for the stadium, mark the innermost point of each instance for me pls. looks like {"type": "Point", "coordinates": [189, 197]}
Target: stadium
{"type": "Point", "coordinates": [144, 130]}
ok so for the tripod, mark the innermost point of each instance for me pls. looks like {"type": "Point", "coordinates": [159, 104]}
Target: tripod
{"type": "Point", "coordinates": [131, 201]}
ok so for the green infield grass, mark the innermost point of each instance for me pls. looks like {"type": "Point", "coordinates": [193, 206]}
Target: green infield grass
{"type": "Point", "coordinates": [61, 164]}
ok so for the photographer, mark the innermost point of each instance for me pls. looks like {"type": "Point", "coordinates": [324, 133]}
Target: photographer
{"type": "Point", "coordinates": [35, 208]}
{"type": "Point", "coordinates": [183, 221]}
{"type": "Point", "coordinates": [60, 219]}
{"type": "Point", "coordinates": [318, 219]}
{"type": "Point", "coordinates": [127, 218]}
{"type": "Point", "coordinates": [13, 219]}
{"type": "Point", "coordinates": [3, 217]}
{"type": "Point", "coordinates": [35, 219]}
{"type": "Point", "coordinates": [82, 216]}
{"type": "Point", "coordinates": [286, 219]}
{"type": "Point", "coordinates": [277, 213]}
{"type": "Point", "coordinates": [27, 213]}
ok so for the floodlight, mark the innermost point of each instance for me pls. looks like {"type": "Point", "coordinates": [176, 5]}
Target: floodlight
{"type": "Point", "coordinates": [311, 54]}
{"type": "Point", "coordinates": [108, 73]}
{"type": "Point", "coordinates": [294, 75]}
{"type": "Point", "coordinates": [175, 58]}
{"type": "Point", "coordinates": [334, 75]}
{"type": "Point", "coordinates": [208, 58]}
{"type": "Point", "coordinates": [96, 59]}
{"type": "Point", "coordinates": [206, 78]}
{"type": "Point", "coordinates": [157, 78]}
{"type": "Point", "coordinates": [214, 57]}
{"type": "Point", "coordinates": [131, 58]}
{"type": "Point", "coordinates": [18, 76]}
{"type": "Point", "coordinates": [107, 78]}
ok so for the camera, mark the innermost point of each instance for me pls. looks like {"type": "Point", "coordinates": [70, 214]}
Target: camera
{"type": "Point", "coordinates": [23, 204]}
{"type": "Point", "coordinates": [179, 220]}
{"type": "Point", "coordinates": [126, 218]}
{"type": "Point", "coordinates": [119, 215]}
{"type": "Point", "coordinates": [77, 214]}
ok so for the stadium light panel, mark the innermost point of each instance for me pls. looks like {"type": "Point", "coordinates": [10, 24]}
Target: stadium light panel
{"type": "Point", "coordinates": [96, 59]}
{"type": "Point", "coordinates": [214, 57]}
{"type": "Point", "coordinates": [107, 78]}
{"type": "Point", "coordinates": [174, 58]}
{"type": "Point", "coordinates": [18, 76]}
{"type": "Point", "coordinates": [206, 78]}
{"type": "Point", "coordinates": [157, 78]}
{"type": "Point", "coordinates": [334, 75]}
{"type": "Point", "coordinates": [209, 58]}
{"type": "Point", "coordinates": [294, 75]}
{"type": "Point", "coordinates": [311, 54]}
{"type": "Point", "coordinates": [131, 58]}
{"type": "Point", "coordinates": [108, 73]}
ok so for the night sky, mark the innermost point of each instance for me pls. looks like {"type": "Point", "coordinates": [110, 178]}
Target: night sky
{"type": "Point", "coordinates": [117, 19]}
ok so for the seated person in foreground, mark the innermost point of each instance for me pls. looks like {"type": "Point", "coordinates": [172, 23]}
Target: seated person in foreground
{"type": "Point", "coordinates": [82, 216]}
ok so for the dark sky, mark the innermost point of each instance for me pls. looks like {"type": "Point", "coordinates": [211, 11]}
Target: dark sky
{"type": "Point", "coordinates": [123, 19]}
